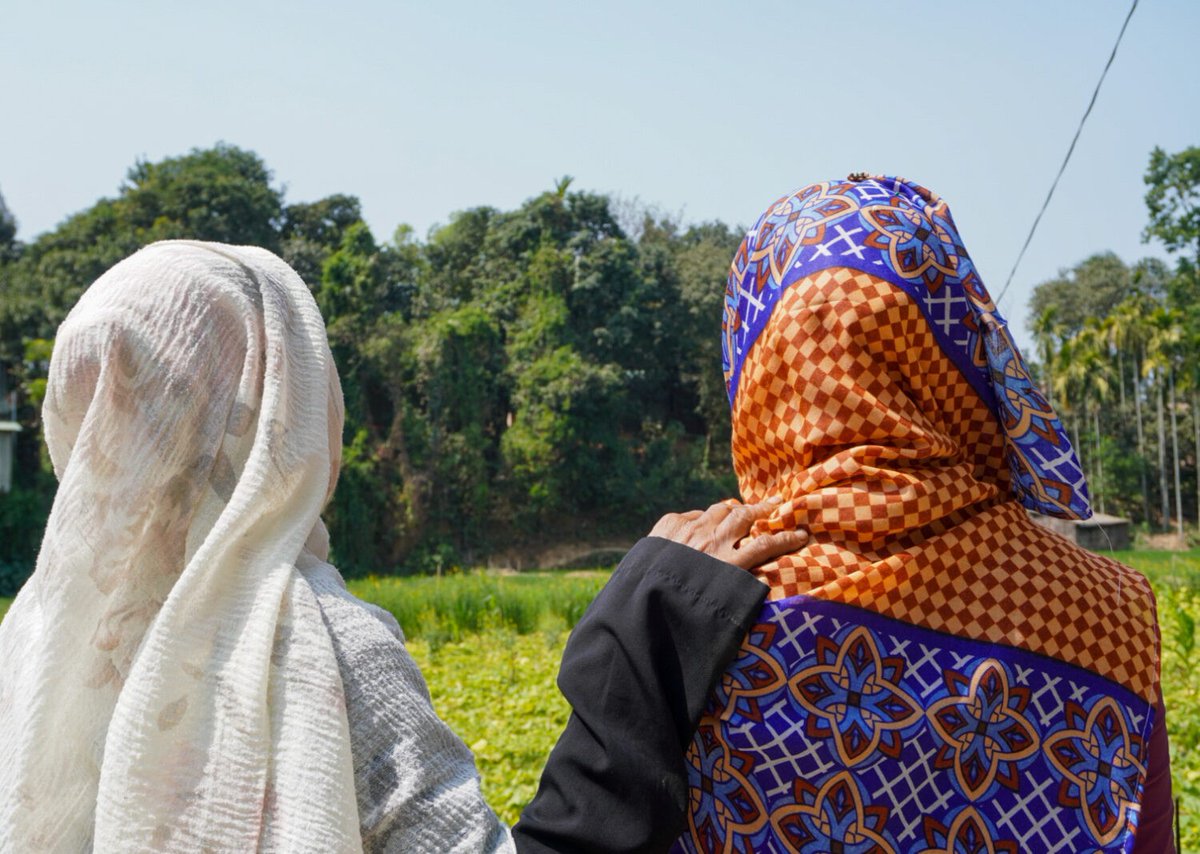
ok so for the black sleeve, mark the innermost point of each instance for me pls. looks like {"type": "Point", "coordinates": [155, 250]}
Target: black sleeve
{"type": "Point", "coordinates": [1155, 832]}
{"type": "Point", "coordinates": [637, 671]}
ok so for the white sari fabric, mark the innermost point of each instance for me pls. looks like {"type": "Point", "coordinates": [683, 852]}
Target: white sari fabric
{"type": "Point", "coordinates": [184, 671]}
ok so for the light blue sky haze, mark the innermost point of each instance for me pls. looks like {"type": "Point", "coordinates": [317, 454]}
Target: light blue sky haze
{"type": "Point", "coordinates": [706, 109]}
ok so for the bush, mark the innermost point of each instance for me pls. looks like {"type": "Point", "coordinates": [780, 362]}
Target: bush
{"type": "Point", "coordinates": [23, 513]}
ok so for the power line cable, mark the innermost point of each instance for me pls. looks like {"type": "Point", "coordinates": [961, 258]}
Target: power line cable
{"type": "Point", "coordinates": [1070, 151]}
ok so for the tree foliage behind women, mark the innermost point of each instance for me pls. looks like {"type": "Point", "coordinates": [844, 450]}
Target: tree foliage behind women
{"type": "Point", "coordinates": [1119, 351]}
{"type": "Point", "coordinates": [518, 379]}
{"type": "Point", "coordinates": [522, 378]}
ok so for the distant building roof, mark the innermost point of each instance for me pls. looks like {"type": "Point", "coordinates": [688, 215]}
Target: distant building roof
{"type": "Point", "coordinates": [1100, 533]}
{"type": "Point", "coordinates": [1102, 520]}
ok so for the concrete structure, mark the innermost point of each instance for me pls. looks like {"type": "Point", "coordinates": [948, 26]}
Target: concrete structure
{"type": "Point", "coordinates": [9, 428]}
{"type": "Point", "coordinates": [1098, 534]}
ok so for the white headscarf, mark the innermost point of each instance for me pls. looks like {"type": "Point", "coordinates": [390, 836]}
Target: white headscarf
{"type": "Point", "coordinates": [166, 680]}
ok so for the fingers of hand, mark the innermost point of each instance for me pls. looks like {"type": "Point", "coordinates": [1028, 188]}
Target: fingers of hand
{"type": "Point", "coordinates": [690, 529]}
{"type": "Point", "coordinates": [743, 517]}
{"type": "Point", "coordinates": [668, 526]}
{"type": "Point", "coordinates": [765, 508]}
{"type": "Point", "coordinates": [723, 531]}
{"type": "Point", "coordinates": [765, 547]}
{"type": "Point", "coordinates": [716, 513]}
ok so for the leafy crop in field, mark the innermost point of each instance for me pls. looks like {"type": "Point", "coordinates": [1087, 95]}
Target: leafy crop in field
{"type": "Point", "coordinates": [497, 691]}
{"type": "Point", "coordinates": [448, 608]}
{"type": "Point", "coordinates": [1176, 581]}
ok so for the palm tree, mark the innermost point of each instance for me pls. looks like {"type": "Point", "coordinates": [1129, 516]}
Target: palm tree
{"type": "Point", "coordinates": [1190, 376]}
{"type": "Point", "coordinates": [1047, 334]}
{"type": "Point", "coordinates": [1162, 354]}
{"type": "Point", "coordinates": [1175, 451]}
{"type": "Point", "coordinates": [1083, 378]}
{"type": "Point", "coordinates": [1129, 331]}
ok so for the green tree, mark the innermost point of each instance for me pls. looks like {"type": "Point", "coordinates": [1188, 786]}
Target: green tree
{"type": "Point", "coordinates": [1106, 370]}
{"type": "Point", "coordinates": [1129, 333]}
{"type": "Point", "coordinates": [1163, 359]}
{"type": "Point", "coordinates": [1047, 335]}
{"type": "Point", "coordinates": [8, 232]}
{"type": "Point", "coordinates": [703, 259]}
{"type": "Point", "coordinates": [1090, 289]}
{"type": "Point", "coordinates": [222, 193]}
{"type": "Point", "coordinates": [516, 368]}
{"type": "Point", "coordinates": [1173, 202]}
{"type": "Point", "coordinates": [562, 450]}
{"type": "Point", "coordinates": [312, 231]}
{"type": "Point", "coordinates": [1173, 206]}
{"type": "Point", "coordinates": [456, 264]}
{"type": "Point", "coordinates": [1084, 384]}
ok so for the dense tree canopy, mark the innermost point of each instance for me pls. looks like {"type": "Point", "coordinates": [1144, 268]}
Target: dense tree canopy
{"type": "Point", "coordinates": [1173, 201]}
{"type": "Point", "coordinates": [8, 230]}
{"type": "Point", "coordinates": [1119, 351]}
{"type": "Point", "coordinates": [525, 377]}
{"type": "Point", "coordinates": [1094, 288]}
{"type": "Point", "coordinates": [518, 378]}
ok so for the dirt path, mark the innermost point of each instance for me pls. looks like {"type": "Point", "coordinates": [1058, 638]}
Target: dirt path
{"type": "Point", "coordinates": [587, 554]}
{"type": "Point", "coordinates": [1168, 542]}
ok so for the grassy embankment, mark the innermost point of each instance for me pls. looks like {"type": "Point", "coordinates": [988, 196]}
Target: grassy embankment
{"type": "Point", "coordinates": [489, 647]}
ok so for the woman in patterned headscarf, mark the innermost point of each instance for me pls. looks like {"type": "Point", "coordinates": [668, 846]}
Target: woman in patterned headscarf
{"type": "Point", "coordinates": [934, 671]}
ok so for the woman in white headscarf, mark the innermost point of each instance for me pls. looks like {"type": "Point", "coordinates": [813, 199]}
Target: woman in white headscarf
{"type": "Point", "coordinates": [185, 672]}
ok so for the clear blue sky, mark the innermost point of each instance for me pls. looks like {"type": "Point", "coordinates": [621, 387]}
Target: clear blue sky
{"type": "Point", "coordinates": [710, 110]}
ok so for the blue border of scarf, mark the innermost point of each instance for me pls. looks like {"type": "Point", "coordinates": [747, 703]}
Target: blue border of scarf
{"type": "Point", "coordinates": [900, 232]}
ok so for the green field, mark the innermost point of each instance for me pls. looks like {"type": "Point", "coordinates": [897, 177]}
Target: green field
{"type": "Point", "coordinates": [489, 647]}
{"type": "Point", "coordinates": [1176, 580]}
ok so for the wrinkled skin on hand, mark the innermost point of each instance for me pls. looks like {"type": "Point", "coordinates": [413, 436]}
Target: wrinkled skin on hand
{"type": "Point", "coordinates": [720, 531]}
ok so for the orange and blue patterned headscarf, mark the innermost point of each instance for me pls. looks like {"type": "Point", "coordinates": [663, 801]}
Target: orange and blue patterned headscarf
{"type": "Point", "coordinates": [901, 232]}
{"type": "Point", "coordinates": [933, 671]}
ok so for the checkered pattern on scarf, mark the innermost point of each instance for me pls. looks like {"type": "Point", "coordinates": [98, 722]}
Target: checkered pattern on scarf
{"type": "Point", "coordinates": [850, 411]}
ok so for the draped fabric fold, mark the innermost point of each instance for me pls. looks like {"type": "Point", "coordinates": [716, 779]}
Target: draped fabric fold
{"type": "Point", "coordinates": [167, 677]}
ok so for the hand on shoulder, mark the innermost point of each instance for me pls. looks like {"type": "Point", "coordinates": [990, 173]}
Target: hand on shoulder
{"type": "Point", "coordinates": [721, 532]}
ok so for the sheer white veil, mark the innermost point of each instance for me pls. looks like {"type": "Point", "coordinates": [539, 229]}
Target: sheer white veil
{"type": "Point", "coordinates": [166, 681]}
